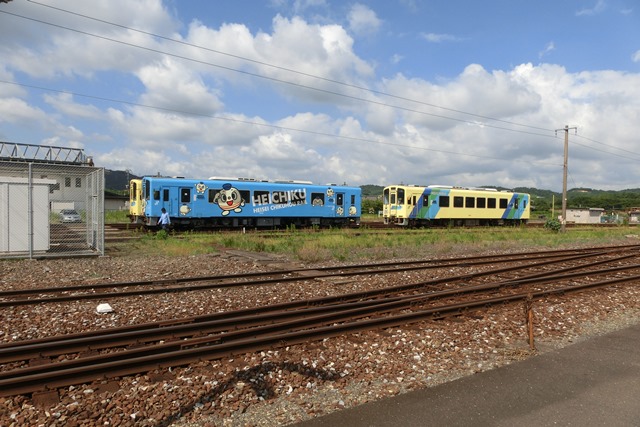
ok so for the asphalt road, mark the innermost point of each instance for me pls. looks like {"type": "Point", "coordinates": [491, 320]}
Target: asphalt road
{"type": "Point", "coordinates": [592, 383]}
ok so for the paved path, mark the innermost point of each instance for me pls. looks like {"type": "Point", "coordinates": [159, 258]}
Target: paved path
{"type": "Point", "coordinates": [592, 383]}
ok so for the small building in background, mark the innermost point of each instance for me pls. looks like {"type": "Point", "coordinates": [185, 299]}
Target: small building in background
{"type": "Point", "coordinates": [585, 215]}
{"type": "Point", "coordinates": [634, 216]}
{"type": "Point", "coordinates": [115, 202]}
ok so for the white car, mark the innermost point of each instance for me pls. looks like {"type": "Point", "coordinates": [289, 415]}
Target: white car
{"type": "Point", "coordinates": [70, 215]}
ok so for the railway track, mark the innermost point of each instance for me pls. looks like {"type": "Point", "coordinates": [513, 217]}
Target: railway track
{"type": "Point", "coordinates": [116, 232]}
{"type": "Point", "coordinates": [141, 348]}
{"type": "Point", "coordinates": [42, 295]}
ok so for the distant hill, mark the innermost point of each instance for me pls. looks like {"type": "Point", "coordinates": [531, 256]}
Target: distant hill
{"type": "Point", "coordinates": [371, 190]}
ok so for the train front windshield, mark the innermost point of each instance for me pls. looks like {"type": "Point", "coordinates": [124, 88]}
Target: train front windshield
{"type": "Point", "coordinates": [393, 196]}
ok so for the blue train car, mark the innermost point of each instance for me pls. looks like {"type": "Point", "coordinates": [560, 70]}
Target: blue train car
{"type": "Point", "coordinates": [237, 202]}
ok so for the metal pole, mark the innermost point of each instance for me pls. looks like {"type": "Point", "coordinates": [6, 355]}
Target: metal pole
{"type": "Point", "coordinates": [30, 209]}
{"type": "Point", "coordinates": [563, 221]}
{"type": "Point", "coordinates": [564, 179]}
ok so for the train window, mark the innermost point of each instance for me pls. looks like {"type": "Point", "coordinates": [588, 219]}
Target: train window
{"type": "Point", "coordinates": [444, 201]}
{"type": "Point", "coordinates": [524, 204]}
{"type": "Point", "coordinates": [400, 196]}
{"type": "Point", "coordinates": [515, 203]}
{"type": "Point", "coordinates": [245, 195]}
{"type": "Point", "coordinates": [353, 199]}
{"type": "Point", "coordinates": [165, 194]}
{"type": "Point", "coordinates": [470, 202]}
{"type": "Point", "coordinates": [185, 195]}
{"type": "Point", "coordinates": [393, 199]}
{"type": "Point", "coordinates": [481, 202]}
{"type": "Point", "coordinates": [339, 199]}
{"type": "Point", "coordinates": [156, 194]}
{"type": "Point", "coordinates": [413, 200]}
{"type": "Point", "coordinates": [146, 187]}
{"type": "Point", "coordinates": [504, 203]}
{"type": "Point", "coordinates": [458, 202]}
{"type": "Point", "coordinates": [212, 195]}
{"type": "Point", "coordinates": [491, 203]}
{"type": "Point", "coordinates": [385, 196]}
{"type": "Point", "coordinates": [317, 199]}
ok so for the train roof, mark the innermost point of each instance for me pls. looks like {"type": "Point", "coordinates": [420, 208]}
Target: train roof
{"type": "Point", "coordinates": [452, 187]}
{"type": "Point", "coordinates": [253, 181]}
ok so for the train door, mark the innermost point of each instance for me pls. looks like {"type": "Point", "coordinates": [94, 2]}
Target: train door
{"type": "Point", "coordinates": [146, 197]}
{"type": "Point", "coordinates": [185, 201]}
{"type": "Point", "coordinates": [136, 201]}
{"type": "Point", "coordinates": [165, 200]}
{"type": "Point", "coordinates": [388, 202]}
{"type": "Point", "coordinates": [340, 204]}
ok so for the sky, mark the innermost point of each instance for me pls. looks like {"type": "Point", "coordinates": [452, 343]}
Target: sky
{"type": "Point", "coordinates": [425, 92]}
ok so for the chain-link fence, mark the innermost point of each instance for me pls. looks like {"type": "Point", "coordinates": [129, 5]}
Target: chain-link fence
{"type": "Point", "coordinates": [51, 209]}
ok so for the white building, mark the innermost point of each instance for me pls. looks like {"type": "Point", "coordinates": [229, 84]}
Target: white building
{"type": "Point", "coordinates": [585, 215]}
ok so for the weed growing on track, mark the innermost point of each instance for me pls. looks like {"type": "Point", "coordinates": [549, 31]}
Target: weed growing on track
{"type": "Point", "coordinates": [351, 245]}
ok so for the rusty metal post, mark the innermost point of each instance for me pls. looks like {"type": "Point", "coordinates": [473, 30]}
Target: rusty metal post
{"type": "Point", "coordinates": [529, 308]}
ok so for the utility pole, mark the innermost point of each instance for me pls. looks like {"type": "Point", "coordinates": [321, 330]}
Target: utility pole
{"type": "Point", "coordinates": [564, 176]}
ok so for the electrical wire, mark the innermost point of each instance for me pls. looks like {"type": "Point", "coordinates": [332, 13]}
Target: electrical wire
{"type": "Point", "coordinates": [299, 85]}
{"type": "Point", "coordinates": [277, 127]}
{"type": "Point", "coordinates": [289, 83]}
{"type": "Point", "coordinates": [182, 42]}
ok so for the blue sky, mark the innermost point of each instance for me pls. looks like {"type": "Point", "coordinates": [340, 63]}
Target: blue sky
{"type": "Point", "coordinates": [367, 92]}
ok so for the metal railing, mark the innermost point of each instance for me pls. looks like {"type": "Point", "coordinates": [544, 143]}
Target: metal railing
{"type": "Point", "coordinates": [12, 151]}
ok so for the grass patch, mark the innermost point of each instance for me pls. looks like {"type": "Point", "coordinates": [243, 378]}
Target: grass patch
{"type": "Point", "coordinates": [115, 217]}
{"type": "Point", "coordinates": [355, 245]}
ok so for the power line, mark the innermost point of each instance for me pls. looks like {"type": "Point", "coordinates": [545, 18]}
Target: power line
{"type": "Point", "coordinates": [249, 122]}
{"type": "Point", "coordinates": [283, 82]}
{"type": "Point", "coordinates": [181, 42]}
{"type": "Point", "coordinates": [289, 69]}
{"type": "Point", "coordinates": [606, 145]}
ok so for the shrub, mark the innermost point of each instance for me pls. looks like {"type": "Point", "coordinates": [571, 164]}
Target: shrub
{"type": "Point", "coordinates": [553, 225]}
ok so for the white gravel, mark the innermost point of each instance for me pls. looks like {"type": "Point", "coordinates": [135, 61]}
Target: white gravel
{"type": "Point", "coordinates": [278, 386]}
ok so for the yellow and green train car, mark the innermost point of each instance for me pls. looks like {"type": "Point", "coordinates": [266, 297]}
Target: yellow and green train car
{"type": "Point", "coordinates": [418, 206]}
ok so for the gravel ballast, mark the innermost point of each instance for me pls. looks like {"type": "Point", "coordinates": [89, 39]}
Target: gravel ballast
{"type": "Point", "coordinates": [282, 385]}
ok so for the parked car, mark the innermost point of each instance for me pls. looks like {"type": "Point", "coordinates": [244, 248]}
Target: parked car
{"type": "Point", "coordinates": [70, 215]}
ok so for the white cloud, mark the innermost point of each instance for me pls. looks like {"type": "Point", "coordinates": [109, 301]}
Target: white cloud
{"type": "Point", "coordinates": [439, 38]}
{"type": "Point", "coordinates": [67, 52]}
{"type": "Point", "coordinates": [395, 59]}
{"type": "Point", "coordinates": [309, 49]}
{"type": "Point", "coordinates": [300, 6]}
{"type": "Point", "coordinates": [636, 56]}
{"type": "Point", "coordinates": [363, 20]}
{"type": "Point", "coordinates": [599, 7]}
{"type": "Point", "coordinates": [173, 86]}
{"type": "Point", "coordinates": [550, 47]}
{"type": "Point", "coordinates": [65, 104]}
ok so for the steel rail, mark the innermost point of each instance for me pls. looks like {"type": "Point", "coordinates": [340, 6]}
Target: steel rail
{"type": "Point", "coordinates": [28, 380]}
{"type": "Point", "coordinates": [9, 350]}
{"type": "Point", "coordinates": [240, 320]}
{"type": "Point", "coordinates": [270, 280]}
{"type": "Point", "coordinates": [440, 262]}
